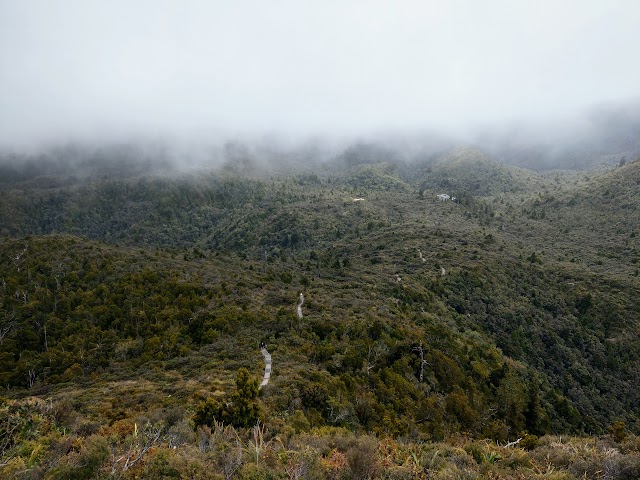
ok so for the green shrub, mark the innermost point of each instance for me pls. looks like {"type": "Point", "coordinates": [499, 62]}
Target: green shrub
{"type": "Point", "coordinates": [618, 432]}
{"type": "Point", "coordinates": [241, 410]}
{"type": "Point", "coordinates": [529, 442]}
{"type": "Point", "coordinates": [362, 459]}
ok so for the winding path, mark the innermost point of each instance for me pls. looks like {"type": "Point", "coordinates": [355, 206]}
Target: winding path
{"type": "Point", "coordinates": [267, 367]}
{"type": "Point", "coordinates": [300, 306]}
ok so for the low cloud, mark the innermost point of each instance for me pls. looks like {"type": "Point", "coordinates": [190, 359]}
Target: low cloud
{"type": "Point", "coordinates": [76, 69]}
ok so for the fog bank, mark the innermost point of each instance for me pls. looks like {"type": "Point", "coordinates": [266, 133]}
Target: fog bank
{"type": "Point", "coordinates": [110, 71]}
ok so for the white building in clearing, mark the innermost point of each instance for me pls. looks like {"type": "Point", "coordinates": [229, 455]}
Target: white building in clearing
{"type": "Point", "coordinates": [443, 197]}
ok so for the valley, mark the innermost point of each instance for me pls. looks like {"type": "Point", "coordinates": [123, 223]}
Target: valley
{"type": "Point", "coordinates": [135, 300]}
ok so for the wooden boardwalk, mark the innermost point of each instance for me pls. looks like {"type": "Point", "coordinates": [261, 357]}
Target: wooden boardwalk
{"type": "Point", "coordinates": [267, 367]}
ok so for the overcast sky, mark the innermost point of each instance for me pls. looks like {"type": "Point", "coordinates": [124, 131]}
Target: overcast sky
{"type": "Point", "coordinates": [73, 69]}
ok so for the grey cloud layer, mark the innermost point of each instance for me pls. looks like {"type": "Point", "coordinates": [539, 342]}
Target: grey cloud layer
{"type": "Point", "coordinates": [87, 68]}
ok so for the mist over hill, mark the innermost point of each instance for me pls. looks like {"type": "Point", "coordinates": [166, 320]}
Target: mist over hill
{"type": "Point", "coordinates": [510, 309]}
{"type": "Point", "coordinates": [327, 241]}
{"type": "Point", "coordinates": [603, 137]}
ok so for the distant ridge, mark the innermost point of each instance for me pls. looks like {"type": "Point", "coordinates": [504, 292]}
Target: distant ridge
{"type": "Point", "coordinates": [468, 170]}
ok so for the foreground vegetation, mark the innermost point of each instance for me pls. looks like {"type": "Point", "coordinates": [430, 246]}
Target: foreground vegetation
{"type": "Point", "coordinates": [52, 440]}
{"type": "Point", "coordinates": [434, 333]}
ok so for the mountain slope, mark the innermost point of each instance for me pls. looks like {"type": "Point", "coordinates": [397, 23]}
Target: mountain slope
{"type": "Point", "coordinates": [470, 171]}
{"type": "Point", "coordinates": [367, 249]}
{"type": "Point", "coordinates": [133, 300]}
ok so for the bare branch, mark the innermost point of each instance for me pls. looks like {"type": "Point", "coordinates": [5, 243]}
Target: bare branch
{"type": "Point", "coordinates": [6, 327]}
{"type": "Point", "coordinates": [514, 443]}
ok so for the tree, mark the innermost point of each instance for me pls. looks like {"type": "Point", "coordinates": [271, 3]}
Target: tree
{"type": "Point", "coordinates": [5, 327]}
{"type": "Point", "coordinates": [242, 409]}
{"type": "Point", "coordinates": [245, 409]}
{"type": "Point", "coordinates": [511, 397]}
{"type": "Point", "coordinates": [536, 421]}
{"type": "Point", "coordinates": [617, 431]}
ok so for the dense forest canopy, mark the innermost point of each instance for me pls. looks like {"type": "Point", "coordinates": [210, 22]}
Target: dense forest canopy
{"type": "Point", "coordinates": [511, 309]}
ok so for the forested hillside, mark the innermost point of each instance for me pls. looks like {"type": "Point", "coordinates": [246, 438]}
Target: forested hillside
{"type": "Point", "coordinates": [131, 305]}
